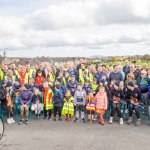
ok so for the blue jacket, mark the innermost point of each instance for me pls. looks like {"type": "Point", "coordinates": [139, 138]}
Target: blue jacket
{"type": "Point", "coordinates": [72, 87]}
{"type": "Point", "coordinates": [99, 76]}
{"type": "Point", "coordinates": [58, 98]}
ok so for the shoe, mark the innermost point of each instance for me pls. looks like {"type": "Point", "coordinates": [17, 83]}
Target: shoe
{"type": "Point", "coordinates": [12, 120]}
{"type": "Point", "coordinates": [60, 119]}
{"type": "Point", "coordinates": [111, 120]}
{"type": "Point", "coordinates": [84, 120]}
{"type": "Point", "coordinates": [138, 122]}
{"type": "Point", "coordinates": [129, 120]}
{"type": "Point", "coordinates": [102, 121]}
{"type": "Point", "coordinates": [121, 121]}
{"type": "Point", "coordinates": [9, 121]}
{"type": "Point", "coordinates": [21, 121]}
{"type": "Point", "coordinates": [76, 119]}
{"type": "Point", "coordinates": [54, 119]}
{"type": "Point", "coordinates": [26, 121]}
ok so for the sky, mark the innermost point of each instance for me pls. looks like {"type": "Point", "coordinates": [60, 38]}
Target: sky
{"type": "Point", "coordinates": [30, 28]}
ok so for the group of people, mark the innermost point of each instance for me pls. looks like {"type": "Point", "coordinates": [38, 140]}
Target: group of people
{"type": "Point", "coordinates": [75, 90]}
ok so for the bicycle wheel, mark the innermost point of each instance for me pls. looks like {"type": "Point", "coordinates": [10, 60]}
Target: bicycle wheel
{"type": "Point", "coordinates": [1, 128]}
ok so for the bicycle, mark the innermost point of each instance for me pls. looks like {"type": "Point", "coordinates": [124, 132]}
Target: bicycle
{"type": "Point", "coordinates": [1, 127]}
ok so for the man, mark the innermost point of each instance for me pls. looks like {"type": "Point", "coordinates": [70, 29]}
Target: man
{"type": "Point", "coordinates": [99, 75]}
{"type": "Point", "coordinates": [126, 68]}
{"type": "Point", "coordinates": [29, 71]}
{"type": "Point", "coordinates": [115, 75]}
{"type": "Point", "coordinates": [3, 72]}
{"type": "Point", "coordinates": [41, 68]}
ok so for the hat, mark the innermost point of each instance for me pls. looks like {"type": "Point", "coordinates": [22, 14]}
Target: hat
{"type": "Point", "coordinates": [18, 80]}
{"type": "Point", "coordinates": [26, 86]}
{"type": "Point", "coordinates": [117, 83]}
{"type": "Point", "coordinates": [130, 84]}
{"type": "Point", "coordinates": [8, 84]}
{"type": "Point", "coordinates": [73, 76]}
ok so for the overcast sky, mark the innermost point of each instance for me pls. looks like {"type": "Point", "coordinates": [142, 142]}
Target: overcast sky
{"type": "Point", "coordinates": [74, 27]}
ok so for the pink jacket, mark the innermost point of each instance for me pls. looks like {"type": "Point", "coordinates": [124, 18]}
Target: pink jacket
{"type": "Point", "coordinates": [101, 102]}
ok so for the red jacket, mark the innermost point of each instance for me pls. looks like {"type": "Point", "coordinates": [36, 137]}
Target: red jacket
{"type": "Point", "coordinates": [39, 80]}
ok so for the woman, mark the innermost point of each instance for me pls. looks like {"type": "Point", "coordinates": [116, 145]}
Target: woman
{"type": "Point", "coordinates": [133, 96]}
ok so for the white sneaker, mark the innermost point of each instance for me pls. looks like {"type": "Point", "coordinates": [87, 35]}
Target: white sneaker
{"type": "Point", "coordinates": [9, 121]}
{"type": "Point", "coordinates": [111, 120]}
{"type": "Point", "coordinates": [121, 121]}
{"type": "Point", "coordinates": [12, 120]}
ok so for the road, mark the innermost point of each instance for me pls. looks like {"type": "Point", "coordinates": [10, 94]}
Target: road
{"type": "Point", "coordinates": [47, 135]}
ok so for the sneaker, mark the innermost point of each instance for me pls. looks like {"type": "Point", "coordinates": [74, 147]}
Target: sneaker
{"type": "Point", "coordinates": [111, 120]}
{"type": "Point", "coordinates": [83, 120]}
{"type": "Point", "coordinates": [12, 120]}
{"type": "Point", "coordinates": [54, 119]}
{"type": "Point", "coordinates": [121, 121]}
{"type": "Point", "coordinates": [9, 121]}
{"type": "Point", "coordinates": [21, 121]}
{"type": "Point", "coordinates": [130, 120]}
{"type": "Point", "coordinates": [76, 119]}
{"type": "Point", "coordinates": [26, 121]}
{"type": "Point", "coordinates": [138, 122]}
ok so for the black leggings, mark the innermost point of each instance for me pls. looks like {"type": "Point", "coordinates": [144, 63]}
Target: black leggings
{"type": "Point", "coordinates": [9, 111]}
{"type": "Point", "coordinates": [47, 113]}
{"type": "Point", "coordinates": [114, 108]}
{"type": "Point", "coordinates": [57, 109]}
{"type": "Point", "coordinates": [136, 108]}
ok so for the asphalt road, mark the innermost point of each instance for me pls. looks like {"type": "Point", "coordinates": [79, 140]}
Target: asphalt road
{"type": "Point", "coordinates": [47, 135]}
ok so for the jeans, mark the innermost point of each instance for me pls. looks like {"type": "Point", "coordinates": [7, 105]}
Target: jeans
{"type": "Point", "coordinates": [80, 109]}
{"type": "Point", "coordinates": [57, 109]}
{"type": "Point", "coordinates": [136, 108]}
{"type": "Point", "coordinates": [114, 108]}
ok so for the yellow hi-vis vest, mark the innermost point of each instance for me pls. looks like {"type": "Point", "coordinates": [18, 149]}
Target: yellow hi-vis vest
{"type": "Point", "coordinates": [30, 73]}
{"type": "Point", "coordinates": [26, 80]}
{"type": "Point", "coordinates": [49, 103]}
{"type": "Point", "coordinates": [2, 75]}
{"type": "Point", "coordinates": [91, 77]}
{"type": "Point", "coordinates": [64, 81]}
{"type": "Point", "coordinates": [68, 107]}
{"type": "Point", "coordinates": [81, 75]}
{"type": "Point", "coordinates": [52, 78]}
{"type": "Point", "coordinates": [12, 78]}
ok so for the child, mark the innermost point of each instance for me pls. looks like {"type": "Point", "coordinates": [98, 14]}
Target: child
{"type": "Point", "coordinates": [39, 78]}
{"type": "Point", "coordinates": [47, 97]}
{"type": "Point", "coordinates": [37, 105]}
{"type": "Point", "coordinates": [57, 101]}
{"type": "Point", "coordinates": [101, 103]}
{"type": "Point", "coordinates": [68, 108]}
{"type": "Point", "coordinates": [90, 105]}
{"type": "Point", "coordinates": [94, 86]}
{"type": "Point", "coordinates": [79, 102]}
{"type": "Point", "coordinates": [87, 86]}
{"type": "Point", "coordinates": [25, 98]}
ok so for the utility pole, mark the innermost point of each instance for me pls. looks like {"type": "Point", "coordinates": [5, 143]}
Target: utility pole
{"type": "Point", "coordinates": [4, 55]}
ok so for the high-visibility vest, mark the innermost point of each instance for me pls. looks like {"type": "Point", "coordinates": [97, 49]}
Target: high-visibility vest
{"type": "Point", "coordinates": [94, 87]}
{"type": "Point", "coordinates": [52, 78]}
{"type": "Point", "coordinates": [64, 81]}
{"type": "Point", "coordinates": [12, 78]}
{"type": "Point", "coordinates": [91, 77]}
{"type": "Point", "coordinates": [81, 76]}
{"type": "Point", "coordinates": [48, 104]}
{"type": "Point", "coordinates": [68, 107]}
{"type": "Point", "coordinates": [26, 80]}
{"type": "Point", "coordinates": [30, 73]}
{"type": "Point", "coordinates": [2, 75]}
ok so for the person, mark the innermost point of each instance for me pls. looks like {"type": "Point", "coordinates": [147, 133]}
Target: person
{"type": "Point", "coordinates": [116, 97]}
{"type": "Point", "coordinates": [10, 98]}
{"type": "Point", "coordinates": [57, 101]}
{"type": "Point", "coordinates": [79, 102]}
{"type": "Point", "coordinates": [101, 104]}
{"type": "Point", "coordinates": [87, 86]}
{"type": "Point", "coordinates": [41, 68]}
{"type": "Point", "coordinates": [25, 98]}
{"type": "Point", "coordinates": [47, 97]}
{"type": "Point", "coordinates": [37, 102]}
{"type": "Point", "coordinates": [23, 75]}
{"type": "Point", "coordinates": [115, 75]}
{"type": "Point", "coordinates": [39, 78]}
{"type": "Point", "coordinates": [72, 85]}
{"type": "Point", "coordinates": [68, 107]}
{"type": "Point", "coordinates": [126, 68]}
{"type": "Point", "coordinates": [90, 105]}
{"type": "Point", "coordinates": [133, 96]}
